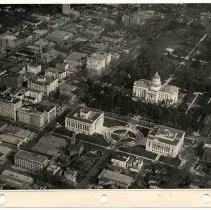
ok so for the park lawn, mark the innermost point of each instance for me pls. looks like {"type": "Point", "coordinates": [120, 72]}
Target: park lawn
{"type": "Point", "coordinates": [108, 122]}
{"type": "Point", "coordinates": [172, 161]}
{"type": "Point", "coordinates": [143, 130]}
{"type": "Point", "coordinates": [95, 139]}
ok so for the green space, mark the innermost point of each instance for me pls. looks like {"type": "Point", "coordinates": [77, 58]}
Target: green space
{"type": "Point", "coordinates": [108, 122]}
{"type": "Point", "coordinates": [172, 161]}
{"type": "Point", "coordinates": [139, 150]}
{"type": "Point", "coordinates": [95, 139]}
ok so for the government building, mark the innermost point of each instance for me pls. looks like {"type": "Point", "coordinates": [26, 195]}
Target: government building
{"type": "Point", "coordinates": [154, 92]}
{"type": "Point", "coordinates": [165, 141]}
{"type": "Point", "coordinates": [85, 120]}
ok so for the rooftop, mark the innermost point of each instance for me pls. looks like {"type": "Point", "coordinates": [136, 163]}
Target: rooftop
{"type": "Point", "coordinates": [43, 80]}
{"type": "Point", "coordinates": [116, 176]}
{"type": "Point", "coordinates": [17, 131]}
{"type": "Point", "coordinates": [30, 156]}
{"type": "Point", "coordinates": [10, 139]}
{"type": "Point", "coordinates": [75, 56]}
{"type": "Point", "coordinates": [121, 158]}
{"type": "Point", "coordinates": [11, 175]}
{"type": "Point", "coordinates": [85, 114]}
{"type": "Point", "coordinates": [166, 135]}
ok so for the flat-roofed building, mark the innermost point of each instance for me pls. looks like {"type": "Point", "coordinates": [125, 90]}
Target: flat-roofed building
{"type": "Point", "coordinates": [33, 68]}
{"type": "Point", "coordinates": [16, 180]}
{"type": "Point", "coordinates": [4, 153]}
{"type": "Point", "coordinates": [59, 36]}
{"type": "Point", "coordinates": [44, 84]}
{"type": "Point", "coordinates": [115, 178]}
{"type": "Point", "coordinates": [55, 73]}
{"type": "Point", "coordinates": [15, 136]}
{"type": "Point", "coordinates": [85, 120]}
{"type": "Point", "coordinates": [50, 145]}
{"type": "Point", "coordinates": [31, 161]}
{"type": "Point", "coordinates": [37, 115]}
{"type": "Point", "coordinates": [165, 141]}
{"type": "Point", "coordinates": [153, 91]}
{"type": "Point", "coordinates": [9, 106]}
{"type": "Point", "coordinates": [29, 96]}
{"type": "Point", "coordinates": [76, 59]}
{"type": "Point", "coordinates": [120, 160]}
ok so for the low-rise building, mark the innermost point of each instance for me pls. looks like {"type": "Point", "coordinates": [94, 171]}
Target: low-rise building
{"type": "Point", "coordinates": [54, 170]}
{"type": "Point", "coordinates": [120, 160]}
{"type": "Point", "coordinates": [136, 165]}
{"type": "Point", "coordinates": [153, 91]}
{"type": "Point", "coordinates": [206, 157]}
{"type": "Point", "coordinates": [37, 115]}
{"type": "Point", "coordinates": [15, 136]}
{"type": "Point", "coordinates": [16, 180]}
{"type": "Point", "coordinates": [55, 73]}
{"type": "Point", "coordinates": [31, 161]}
{"type": "Point", "coordinates": [85, 120]}
{"type": "Point", "coordinates": [9, 106]}
{"type": "Point", "coordinates": [59, 36]}
{"type": "Point", "coordinates": [70, 176]}
{"type": "Point", "coordinates": [165, 141]}
{"type": "Point", "coordinates": [115, 178]}
{"type": "Point", "coordinates": [43, 84]}
{"type": "Point", "coordinates": [76, 59]}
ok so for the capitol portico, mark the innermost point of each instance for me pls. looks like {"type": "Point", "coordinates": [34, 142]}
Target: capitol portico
{"type": "Point", "coordinates": [153, 91]}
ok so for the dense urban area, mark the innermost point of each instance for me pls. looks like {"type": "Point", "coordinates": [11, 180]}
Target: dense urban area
{"type": "Point", "coordinates": [105, 96]}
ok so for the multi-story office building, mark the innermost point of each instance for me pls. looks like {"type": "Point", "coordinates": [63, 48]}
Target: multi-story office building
{"type": "Point", "coordinates": [43, 84]}
{"type": "Point", "coordinates": [9, 106]}
{"type": "Point", "coordinates": [165, 141]}
{"type": "Point", "coordinates": [37, 116]}
{"type": "Point", "coordinates": [31, 161]}
{"type": "Point", "coordinates": [85, 120]}
{"type": "Point", "coordinates": [153, 91]}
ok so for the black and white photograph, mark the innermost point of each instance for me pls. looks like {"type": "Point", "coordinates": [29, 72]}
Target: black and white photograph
{"type": "Point", "coordinates": [105, 96]}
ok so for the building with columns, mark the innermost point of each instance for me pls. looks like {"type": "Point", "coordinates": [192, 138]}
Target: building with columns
{"type": "Point", "coordinates": [85, 120]}
{"type": "Point", "coordinates": [154, 92]}
{"type": "Point", "coordinates": [165, 141]}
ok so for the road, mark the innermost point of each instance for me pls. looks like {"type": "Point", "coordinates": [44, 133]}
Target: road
{"type": "Point", "coordinates": [193, 101]}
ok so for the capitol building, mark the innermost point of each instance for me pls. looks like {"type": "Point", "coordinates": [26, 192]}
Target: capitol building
{"type": "Point", "coordinates": [153, 91]}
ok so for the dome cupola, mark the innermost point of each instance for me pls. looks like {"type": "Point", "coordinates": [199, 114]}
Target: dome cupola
{"type": "Point", "coordinates": [155, 82]}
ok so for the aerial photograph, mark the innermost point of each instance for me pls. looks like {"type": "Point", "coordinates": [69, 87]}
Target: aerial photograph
{"type": "Point", "coordinates": [105, 96]}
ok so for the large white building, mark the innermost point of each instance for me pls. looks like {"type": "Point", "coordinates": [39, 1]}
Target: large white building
{"type": "Point", "coordinates": [153, 91]}
{"type": "Point", "coordinates": [37, 116]}
{"type": "Point", "coordinates": [85, 120]}
{"type": "Point", "coordinates": [43, 84]}
{"type": "Point", "coordinates": [165, 141]}
{"type": "Point", "coordinates": [97, 63]}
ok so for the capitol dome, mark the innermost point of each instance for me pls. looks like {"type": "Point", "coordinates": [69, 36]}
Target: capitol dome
{"type": "Point", "coordinates": [155, 82]}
